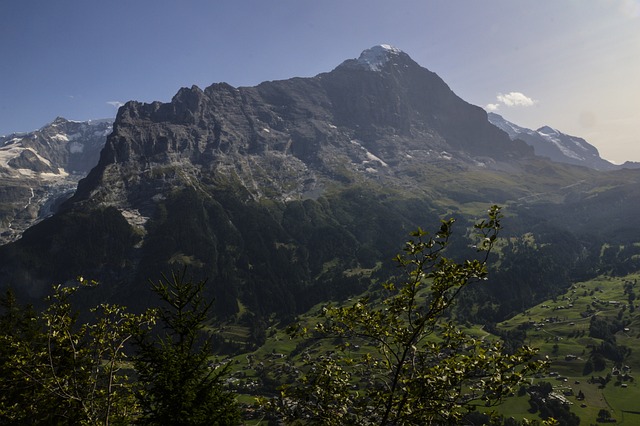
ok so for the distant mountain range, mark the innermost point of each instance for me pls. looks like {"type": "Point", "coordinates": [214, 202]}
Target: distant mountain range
{"type": "Point", "coordinates": [558, 146]}
{"type": "Point", "coordinates": [298, 191]}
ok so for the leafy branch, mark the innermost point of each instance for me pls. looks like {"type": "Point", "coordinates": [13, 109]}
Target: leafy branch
{"type": "Point", "coordinates": [414, 367]}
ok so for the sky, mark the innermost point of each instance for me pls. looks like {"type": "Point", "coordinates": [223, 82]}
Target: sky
{"type": "Point", "coordinates": [571, 64]}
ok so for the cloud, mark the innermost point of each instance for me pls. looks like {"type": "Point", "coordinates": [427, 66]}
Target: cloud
{"type": "Point", "coordinates": [115, 104]}
{"type": "Point", "coordinates": [511, 99]}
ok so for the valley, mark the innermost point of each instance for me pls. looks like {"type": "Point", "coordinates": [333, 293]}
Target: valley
{"type": "Point", "coordinates": [560, 328]}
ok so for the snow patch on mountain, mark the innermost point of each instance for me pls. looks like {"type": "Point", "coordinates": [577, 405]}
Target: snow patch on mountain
{"type": "Point", "coordinates": [9, 152]}
{"type": "Point", "coordinates": [40, 157]}
{"type": "Point", "coordinates": [62, 173]}
{"type": "Point", "coordinates": [60, 138]}
{"type": "Point", "coordinates": [376, 57]}
{"type": "Point", "coordinates": [553, 136]}
{"type": "Point", "coordinates": [12, 141]}
{"type": "Point", "coordinates": [371, 157]}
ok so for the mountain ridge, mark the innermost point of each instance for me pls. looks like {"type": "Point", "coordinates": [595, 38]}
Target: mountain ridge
{"type": "Point", "coordinates": [559, 147]}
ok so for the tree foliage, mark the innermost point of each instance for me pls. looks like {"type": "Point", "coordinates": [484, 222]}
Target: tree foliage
{"type": "Point", "coordinates": [58, 370]}
{"type": "Point", "coordinates": [400, 362]}
{"type": "Point", "coordinates": [180, 386]}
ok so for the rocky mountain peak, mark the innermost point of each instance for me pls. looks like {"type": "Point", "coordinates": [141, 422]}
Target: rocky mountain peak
{"type": "Point", "coordinates": [376, 57]}
{"type": "Point", "coordinates": [58, 121]}
{"type": "Point", "coordinates": [64, 146]}
{"type": "Point", "coordinates": [379, 58]}
{"type": "Point", "coordinates": [39, 168]}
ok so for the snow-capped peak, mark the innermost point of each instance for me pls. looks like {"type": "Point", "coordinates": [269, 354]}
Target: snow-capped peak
{"type": "Point", "coordinates": [548, 131]}
{"type": "Point", "coordinates": [513, 130]}
{"type": "Point", "coordinates": [552, 143]}
{"type": "Point", "coordinates": [375, 58]}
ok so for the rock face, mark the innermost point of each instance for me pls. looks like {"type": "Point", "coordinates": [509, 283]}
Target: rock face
{"type": "Point", "coordinates": [558, 146]}
{"type": "Point", "coordinates": [39, 167]}
{"type": "Point", "coordinates": [370, 118]}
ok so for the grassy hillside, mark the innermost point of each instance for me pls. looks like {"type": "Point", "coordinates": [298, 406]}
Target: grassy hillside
{"type": "Point", "coordinates": [564, 328]}
{"type": "Point", "coordinates": [561, 328]}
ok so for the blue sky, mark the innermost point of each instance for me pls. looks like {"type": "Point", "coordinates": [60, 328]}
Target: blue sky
{"type": "Point", "coordinates": [570, 64]}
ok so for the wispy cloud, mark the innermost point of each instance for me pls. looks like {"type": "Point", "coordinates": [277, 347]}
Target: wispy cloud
{"type": "Point", "coordinates": [511, 99]}
{"type": "Point", "coordinates": [115, 104]}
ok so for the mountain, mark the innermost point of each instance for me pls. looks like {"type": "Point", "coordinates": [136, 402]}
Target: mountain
{"type": "Point", "coordinates": [298, 191]}
{"type": "Point", "coordinates": [40, 167]}
{"type": "Point", "coordinates": [292, 138]}
{"type": "Point", "coordinates": [558, 146]}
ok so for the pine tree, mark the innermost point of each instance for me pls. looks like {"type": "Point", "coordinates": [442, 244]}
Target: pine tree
{"type": "Point", "coordinates": [180, 385]}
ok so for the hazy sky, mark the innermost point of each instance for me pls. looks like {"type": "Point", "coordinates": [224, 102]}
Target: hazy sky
{"type": "Point", "coordinates": [570, 64]}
